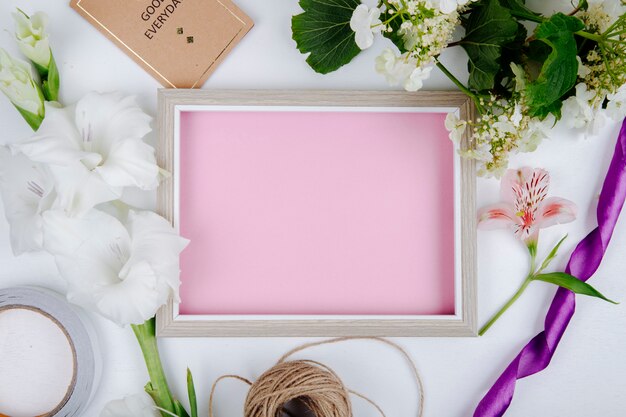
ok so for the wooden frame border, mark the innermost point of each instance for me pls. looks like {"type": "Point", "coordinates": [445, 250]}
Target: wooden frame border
{"type": "Point", "coordinates": [169, 326]}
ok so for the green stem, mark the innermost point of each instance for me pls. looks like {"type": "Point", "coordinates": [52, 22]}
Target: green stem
{"type": "Point", "coordinates": [461, 86]}
{"type": "Point", "coordinates": [157, 387]}
{"type": "Point", "coordinates": [592, 36]}
{"type": "Point", "coordinates": [517, 295]}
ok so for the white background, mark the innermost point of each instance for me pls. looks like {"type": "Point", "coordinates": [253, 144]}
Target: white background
{"type": "Point", "coordinates": [587, 375]}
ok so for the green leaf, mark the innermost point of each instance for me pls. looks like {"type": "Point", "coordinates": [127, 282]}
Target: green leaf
{"type": "Point", "coordinates": [488, 28]}
{"type": "Point", "coordinates": [518, 9]}
{"type": "Point", "coordinates": [324, 31]}
{"type": "Point", "coordinates": [559, 71]}
{"type": "Point", "coordinates": [552, 254]}
{"type": "Point", "coordinates": [179, 409]}
{"type": "Point", "coordinates": [51, 83]}
{"type": "Point", "coordinates": [571, 283]}
{"type": "Point", "coordinates": [191, 389]}
{"type": "Point", "coordinates": [33, 120]}
{"type": "Point", "coordinates": [511, 53]}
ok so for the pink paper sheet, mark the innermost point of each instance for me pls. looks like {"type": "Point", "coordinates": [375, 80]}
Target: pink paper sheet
{"type": "Point", "coordinates": [316, 213]}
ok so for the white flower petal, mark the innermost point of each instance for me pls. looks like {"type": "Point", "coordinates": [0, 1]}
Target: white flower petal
{"type": "Point", "coordinates": [138, 405]}
{"type": "Point", "coordinates": [32, 38]}
{"type": "Point", "coordinates": [124, 273]}
{"type": "Point", "coordinates": [57, 141]}
{"type": "Point", "coordinates": [365, 22]}
{"type": "Point", "coordinates": [448, 6]}
{"type": "Point", "coordinates": [364, 39]}
{"type": "Point", "coordinates": [156, 241]}
{"type": "Point", "coordinates": [18, 84]}
{"type": "Point", "coordinates": [80, 189]}
{"type": "Point", "coordinates": [135, 298]}
{"type": "Point", "coordinates": [89, 251]}
{"type": "Point", "coordinates": [103, 120]}
{"type": "Point", "coordinates": [27, 190]}
{"type": "Point", "coordinates": [131, 163]}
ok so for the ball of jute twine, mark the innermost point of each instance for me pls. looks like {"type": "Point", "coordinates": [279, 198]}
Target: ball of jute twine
{"type": "Point", "coordinates": [312, 383]}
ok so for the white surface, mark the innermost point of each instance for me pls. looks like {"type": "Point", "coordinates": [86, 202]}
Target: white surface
{"type": "Point", "coordinates": [587, 375]}
{"type": "Point", "coordinates": [36, 363]}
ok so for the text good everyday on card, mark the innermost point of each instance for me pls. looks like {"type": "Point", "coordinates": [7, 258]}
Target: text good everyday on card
{"type": "Point", "coordinates": [179, 42]}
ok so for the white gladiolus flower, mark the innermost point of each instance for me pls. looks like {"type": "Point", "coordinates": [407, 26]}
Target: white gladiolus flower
{"type": "Point", "coordinates": [138, 405]}
{"type": "Point", "coordinates": [125, 272]}
{"type": "Point", "coordinates": [616, 107]}
{"type": "Point", "coordinates": [365, 23]}
{"type": "Point", "coordinates": [27, 190]}
{"type": "Point", "coordinates": [18, 84]}
{"type": "Point", "coordinates": [32, 37]}
{"type": "Point", "coordinates": [94, 149]}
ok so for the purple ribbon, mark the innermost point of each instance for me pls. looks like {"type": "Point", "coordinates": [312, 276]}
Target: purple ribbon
{"type": "Point", "coordinates": [583, 263]}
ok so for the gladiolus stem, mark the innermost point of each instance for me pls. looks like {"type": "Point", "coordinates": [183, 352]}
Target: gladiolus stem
{"type": "Point", "coordinates": [157, 387]}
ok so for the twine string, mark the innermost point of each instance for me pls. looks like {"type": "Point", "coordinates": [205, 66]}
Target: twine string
{"type": "Point", "coordinates": [314, 384]}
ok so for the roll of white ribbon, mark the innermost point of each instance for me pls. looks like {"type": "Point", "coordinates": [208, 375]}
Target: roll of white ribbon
{"type": "Point", "coordinates": [85, 354]}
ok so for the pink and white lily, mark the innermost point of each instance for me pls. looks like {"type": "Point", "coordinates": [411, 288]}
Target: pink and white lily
{"type": "Point", "coordinates": [525, 207]}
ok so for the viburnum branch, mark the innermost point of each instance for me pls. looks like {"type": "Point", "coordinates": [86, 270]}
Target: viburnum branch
{"type": "Point", "coordinates": [461, 86]}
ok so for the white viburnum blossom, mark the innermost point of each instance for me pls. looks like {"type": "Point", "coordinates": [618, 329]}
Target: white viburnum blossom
{"type": "Point", "coordinates": [27, 190]}
{"type": "Point", "coordinates": [616, 106]}
{"type": "Point", "coordinates": [32, 37]}
{"type": "Point", "coordinates": [450, 6]}
{"type": "Point", "coordinates": [535, 133]}
{"type": "Point", "coordinates": [425, 32]}
{"type": "Point", "coordinates": [456, 127]}
{"type": "Point", "coordinates": [138, 405]}
{"type": "Point", "coordinates": [415, 80]}
{"type": "Point", "coordinates": [602, 13]}
{"type": "Point", "coordinates": [94, 149]}
{"type": "Point", "coordinates": [365, 23]}
{"type": "Point", "coordinates": [583, 70]}
{"type": "Point", "coordinates": [396, 69]}
{"type": "Point", "coordinates": [577, 110]}
{"type": "Point", "coordinates": [124, 271]}
{"type": "Point", "coordinates": [17, 82]}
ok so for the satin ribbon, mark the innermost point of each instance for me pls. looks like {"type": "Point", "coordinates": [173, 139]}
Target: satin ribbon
{"type": "Point", "coordinates": [583, 263]}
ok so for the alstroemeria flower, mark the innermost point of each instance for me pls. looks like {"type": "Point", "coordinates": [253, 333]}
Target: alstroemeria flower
{"type": "Point", "coordinates": [27, 190]}
{"type": "Point", "coordinates": [525, 207]}
{"type": "Point", "coordinates": [365, 23]}
{"type": "Point", "coordinates": [124, 271]}
{"type": "Point", "coordinates": [138, 405]}
{"type": "Point", "coordinates": [94, 149]}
